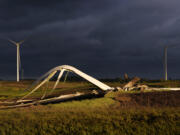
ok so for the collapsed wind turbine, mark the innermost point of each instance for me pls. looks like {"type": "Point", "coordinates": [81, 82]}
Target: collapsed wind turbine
{"type": "Point", "coordinates": [18, 55]}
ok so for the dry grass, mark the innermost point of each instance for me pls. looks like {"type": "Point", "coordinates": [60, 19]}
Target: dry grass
{"type": "Point", "coordinates": [118, 113]}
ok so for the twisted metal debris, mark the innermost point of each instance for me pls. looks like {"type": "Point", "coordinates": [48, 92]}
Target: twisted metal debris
{"type": "Point", "coordinates": [45, 78]}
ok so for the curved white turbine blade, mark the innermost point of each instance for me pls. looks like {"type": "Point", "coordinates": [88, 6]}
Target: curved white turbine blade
{"type": "Point", "coordinates": [59, 77]}
{"type": "Point", "coordinates": [12, 42]}
{"type": "Point", "coordinates": [43, 82]}
{"type": "Point", "coordinates": [22, 41]}
{"type": "Point", "coordinates": [65, 78]}
{"type": "Point", "coordinates": [47, 76]}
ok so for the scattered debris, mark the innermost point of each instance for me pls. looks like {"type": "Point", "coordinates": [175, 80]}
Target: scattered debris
{"type": "Point", "coordinates": [24, 101]}
{"type": "Point", "coordinates": [142, 87]}
{"type": "Point", "coordinates": [130, 84]}
{"type": "Point", "coordinates": [95, 92]}
{"type": "Point", "coordinates": [61, 98]}
{"type": "Point", "coordinates": [119, 89]}
{"type": "Point", "coordinates": [46, 77]}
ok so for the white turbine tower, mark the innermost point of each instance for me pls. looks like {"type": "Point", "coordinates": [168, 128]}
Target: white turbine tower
{"type": "Point", "coordinates": [165, 63]}
{"type": "Point", "coordinates": [165, 60]}
{"type": "Point", "coordinates": [18, 55]}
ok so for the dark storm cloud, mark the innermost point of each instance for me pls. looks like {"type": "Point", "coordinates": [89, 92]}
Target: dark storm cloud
{"type": "Point", "coordinates": [105, 38]}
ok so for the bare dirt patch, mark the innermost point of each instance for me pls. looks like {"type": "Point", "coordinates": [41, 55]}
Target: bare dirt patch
{"type": "Point", "coordinates": [150, 99]}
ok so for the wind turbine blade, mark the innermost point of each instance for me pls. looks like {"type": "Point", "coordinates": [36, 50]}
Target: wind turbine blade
{"type": "Point", "coordinates": [12, 41]}
{"type": "Point", "coordinates": [43, 82]}
{"type": "Point", "coordinates": [22, 41]}
{"type": "Point", "coordinates": [58, 79]}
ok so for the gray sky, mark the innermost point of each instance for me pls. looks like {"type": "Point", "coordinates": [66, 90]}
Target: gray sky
{"type": "Point", "coordinates": [104, 38]}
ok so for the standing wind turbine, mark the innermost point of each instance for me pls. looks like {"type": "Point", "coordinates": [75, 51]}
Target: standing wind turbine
{"type": "Point", "coordinates": [165, 63]}
{"type": "Point", "coordinates": [18, 55]}
{"type": "Point", "coordinates": [165, 60]}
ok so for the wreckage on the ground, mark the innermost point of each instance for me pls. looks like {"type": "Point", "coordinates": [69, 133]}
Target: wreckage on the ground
{"type": "Point", "coordinates": [60, 70]}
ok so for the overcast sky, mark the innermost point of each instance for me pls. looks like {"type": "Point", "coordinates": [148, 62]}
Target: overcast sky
{"type": "Point", "coordinates": [104, 38]}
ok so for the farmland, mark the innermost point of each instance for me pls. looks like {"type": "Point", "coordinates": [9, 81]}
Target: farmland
{"type": "Point", "coordinates": [115, 113]}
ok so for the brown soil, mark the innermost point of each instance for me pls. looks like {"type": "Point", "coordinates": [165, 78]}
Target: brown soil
{"type": "Point", "coordinates": [150, 99]}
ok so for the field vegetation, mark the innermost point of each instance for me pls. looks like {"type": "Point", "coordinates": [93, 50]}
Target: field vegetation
{"type": "Point", "coordinates": [116, 113]}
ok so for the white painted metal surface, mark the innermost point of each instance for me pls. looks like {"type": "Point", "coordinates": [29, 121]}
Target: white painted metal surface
{"type": "Point", "coordinates": [46, 77]}
{"type": "Point", "coordinates": [18, 61]}
{"type": "Point", "coordinates": [165, 63]}
{"type": "Point", "coordinates": [18, 56]}
{"type": "Point", "coordinates": [168, 89]}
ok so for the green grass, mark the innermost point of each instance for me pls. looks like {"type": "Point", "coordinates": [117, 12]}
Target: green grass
{"type": "Point", "coordinates": [13, 90]}
{"type": "Point", "coordinates": [98, 116]}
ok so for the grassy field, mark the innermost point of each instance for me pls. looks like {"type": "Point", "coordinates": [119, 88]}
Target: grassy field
{"type": "Point", "coordinates": [117, 113]}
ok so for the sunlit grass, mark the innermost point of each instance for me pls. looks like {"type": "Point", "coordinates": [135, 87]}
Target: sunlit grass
{"type": "Point", "coordinates": [97, 116]}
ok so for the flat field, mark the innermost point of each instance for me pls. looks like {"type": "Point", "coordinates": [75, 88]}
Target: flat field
{"type": "Point", "coordinates": [116, 113]}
